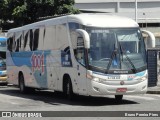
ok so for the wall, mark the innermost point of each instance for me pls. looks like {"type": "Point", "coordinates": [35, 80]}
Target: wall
{"type": "Point", "coordinates": [147, 9]}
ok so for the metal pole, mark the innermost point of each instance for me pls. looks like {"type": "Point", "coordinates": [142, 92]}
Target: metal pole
{"type": "Point", "coordinates": [136, 10]}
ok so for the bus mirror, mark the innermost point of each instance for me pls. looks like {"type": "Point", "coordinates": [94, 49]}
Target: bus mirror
{"type": "Point", "coordinates": [149, 38]}
{"type": "Point", "coordinates": [83, 34]}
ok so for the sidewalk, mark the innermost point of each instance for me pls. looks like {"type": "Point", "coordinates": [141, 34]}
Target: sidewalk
{"type": "Point", "coordinates": [154, 90]}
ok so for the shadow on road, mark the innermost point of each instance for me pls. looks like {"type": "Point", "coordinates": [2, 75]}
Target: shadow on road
{"type": "Point", "coordinates": [58, 98]}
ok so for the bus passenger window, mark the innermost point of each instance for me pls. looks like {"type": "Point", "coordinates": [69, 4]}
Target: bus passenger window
{"type": "Point", "coordinates": [31, 40]}
{"type": "Point", "coordinates": [17, 45]}
{"type": "Point", "coordinates": [10, 42]}
{"type": "Point", "coordinates": [26, 44]}
{"type": "Point", "coordinates": [36, 39]}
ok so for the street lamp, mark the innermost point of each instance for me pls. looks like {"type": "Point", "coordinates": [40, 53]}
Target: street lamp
{"type": "Point", "coordinates": [136, 10]}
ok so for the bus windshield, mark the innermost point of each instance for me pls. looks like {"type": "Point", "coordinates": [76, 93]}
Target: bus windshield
{"type": "Point", "coordinates": [116, 49]}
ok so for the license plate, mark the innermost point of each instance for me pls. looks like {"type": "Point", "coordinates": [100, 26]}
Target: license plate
{"type": "Point", "coordinates": [121, 89]}
{"type": "Point", "coordinates": [114, 77]}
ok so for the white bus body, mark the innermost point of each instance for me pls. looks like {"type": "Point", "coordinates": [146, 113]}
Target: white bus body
{"type": "Point", "coordinates": [85, 54]}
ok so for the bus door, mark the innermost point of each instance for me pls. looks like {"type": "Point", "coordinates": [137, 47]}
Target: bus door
{"type": "Point", "coordinates": [81, 65]}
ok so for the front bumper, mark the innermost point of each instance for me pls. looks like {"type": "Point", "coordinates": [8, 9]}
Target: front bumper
{"type": "Point", "coordinates": [102, 89]}
{"type": "Point", "coordinates": [3, 77]}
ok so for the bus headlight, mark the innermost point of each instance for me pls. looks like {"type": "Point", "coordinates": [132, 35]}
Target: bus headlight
{"type": "Point", "coordinates": [144, 78]}
{"type": "Point", "coordinates": [96, 79]}
{"type": "Point", "coordinates": [91, 77]}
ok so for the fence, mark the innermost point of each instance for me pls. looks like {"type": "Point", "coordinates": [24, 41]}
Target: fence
{"type": "Point", "coordinates": [153, 65]}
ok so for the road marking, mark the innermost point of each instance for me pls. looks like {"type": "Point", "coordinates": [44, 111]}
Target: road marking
{"type": "Point", "coordinates": [141, 97]}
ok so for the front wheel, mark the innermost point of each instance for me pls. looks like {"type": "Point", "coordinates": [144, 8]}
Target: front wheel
{"type": "Point", "coordinates": [67, 89]}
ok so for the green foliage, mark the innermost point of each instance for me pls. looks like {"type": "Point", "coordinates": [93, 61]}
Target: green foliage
{"type": "Point", "coordinates": [19, 10]}
{"type": "Point", "coordinates": [4, 9]}
{"type": "Point", "coordinates": [65, 8]}
{"type": "Point", "coordinates": [23, 12]}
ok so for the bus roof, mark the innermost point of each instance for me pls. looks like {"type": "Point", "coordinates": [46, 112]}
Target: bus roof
{"type": "Point", "coordinates": [95, 20]}
{"type": "Point", "coordinates": [103, 20]}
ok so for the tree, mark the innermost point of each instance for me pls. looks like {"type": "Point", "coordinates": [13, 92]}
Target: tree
{"type": "Point", "coordinates": [22, 12]}
{"type": "Point", "coordinates": [65, 6]}
{"type": "Point", "coordinates": [5, 15]}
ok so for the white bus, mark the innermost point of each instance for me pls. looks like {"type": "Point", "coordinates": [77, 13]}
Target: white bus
{"type": "Point", "coordinates": [85, 54]}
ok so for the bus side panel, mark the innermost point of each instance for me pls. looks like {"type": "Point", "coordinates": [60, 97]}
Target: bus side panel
{"type": "Point", "coordinates": [31, 64]}
{"type": "Point", "coordinates": [53, 64]}
{"type": "Point", "coordinates": [12, 70]}
{"type": "Point", "coordinates": [59, 62]}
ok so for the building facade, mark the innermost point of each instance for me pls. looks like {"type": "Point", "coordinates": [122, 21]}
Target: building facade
{"type": "Point", "coordinates": [147, 11]}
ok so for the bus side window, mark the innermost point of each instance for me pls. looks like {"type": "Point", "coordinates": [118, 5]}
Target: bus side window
{"type": "Point", "coordinates": [36, 39]}
{"type": "Point", "coordinates": [17, 46]}
{"type": "Point", "coordinates": [31, 40]}
{"type": "Point", "coordinates": [26, 44]}
{"type": "Point", "coordinates": [10, 42]}
{"type": "Point", "coordinates": [80, 52]}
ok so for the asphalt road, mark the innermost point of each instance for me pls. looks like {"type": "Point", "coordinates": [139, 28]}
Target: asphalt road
{"type": "Point", "coordinates": [12, 100]}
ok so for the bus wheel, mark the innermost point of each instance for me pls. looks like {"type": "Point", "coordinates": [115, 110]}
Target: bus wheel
{"type": "Point", "coordinates": [68, 91]}
{"type": "Point", "coordinates": [118, 97]}
{"type": "Point", "coordinates": [22, 87]}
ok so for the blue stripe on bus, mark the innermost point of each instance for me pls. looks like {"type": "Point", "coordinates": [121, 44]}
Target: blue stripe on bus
{"type": "Point", "coordinates": [140, 74]}
{"type": "Point", "coordinates": [2, 39]}
{"type": "Point", "coordinates": [37, 62]}
{"type": "Point", "coordinates": [27, 59]}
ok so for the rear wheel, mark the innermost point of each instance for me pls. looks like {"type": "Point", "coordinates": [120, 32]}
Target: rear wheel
{"type": "Point", "coordinates": [22, 86]}
{"type": "Point", "coordinates": [67, 89]}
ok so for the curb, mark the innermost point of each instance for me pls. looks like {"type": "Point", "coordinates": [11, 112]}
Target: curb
{"type": "Point", "coordinates": [153, 92]}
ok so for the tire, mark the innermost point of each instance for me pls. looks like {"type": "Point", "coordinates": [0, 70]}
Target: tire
{"type": "Point", "coordinates": [67, 89]}
{"type": "Point", "coordinates": [118, 98]}
{"type": "Point", "coordinates": [22, 86]}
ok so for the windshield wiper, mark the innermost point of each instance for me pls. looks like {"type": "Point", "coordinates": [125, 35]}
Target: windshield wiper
{"type": "Point", "coordinates": [114, 53]}
{"type": "Point", "coordinates": [123, 53]}
{"type": "Point", "coordinates": [112, 57]}
{"type": "Point", "coordinates": [129, 60]}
